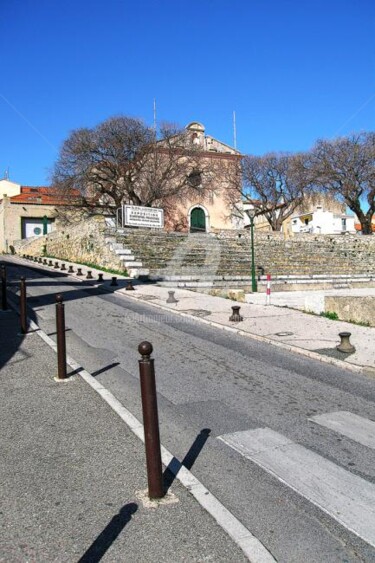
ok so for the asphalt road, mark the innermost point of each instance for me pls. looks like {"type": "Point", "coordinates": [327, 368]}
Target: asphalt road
{"type": "Point", "coordinates": [240, 414]}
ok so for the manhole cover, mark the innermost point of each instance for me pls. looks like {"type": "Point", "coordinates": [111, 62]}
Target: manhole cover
{"type": "Point", "coordinates": [197, 312]}
{"type": "Point", "coordinates": [284, 333]}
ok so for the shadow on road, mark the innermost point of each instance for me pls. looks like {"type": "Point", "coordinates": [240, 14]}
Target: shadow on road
{"type": "Point", "coordinates": [189, 459]}
{"type": "Point", "coordinates": [106, 538]}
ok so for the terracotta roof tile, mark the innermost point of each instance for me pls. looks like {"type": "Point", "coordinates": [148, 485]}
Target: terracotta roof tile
{"type": "Point", "coordinates": [41, 195]}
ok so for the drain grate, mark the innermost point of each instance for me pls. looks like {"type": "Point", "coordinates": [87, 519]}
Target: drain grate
{"type": "Point", "coordinates": [286, 333]}
{"type": "Point", "coordinates": [197, 312]}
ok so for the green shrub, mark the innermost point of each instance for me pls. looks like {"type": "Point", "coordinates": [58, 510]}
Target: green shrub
{"type": "Point", "coordinates": [330, 315]}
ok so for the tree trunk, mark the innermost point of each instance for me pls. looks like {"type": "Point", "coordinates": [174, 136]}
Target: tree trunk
{"type": "Point", "coordinates": [277, 224]}
{"type": "Point", "coordinates": [366, 226]}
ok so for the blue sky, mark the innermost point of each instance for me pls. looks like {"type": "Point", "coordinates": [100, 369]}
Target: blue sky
{"type": "Point", "coordinates": [293, 71]}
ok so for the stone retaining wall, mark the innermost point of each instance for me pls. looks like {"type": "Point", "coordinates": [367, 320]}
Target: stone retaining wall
{"type": "Point", "coordinates": [84, 243]}
{"type": "Point", "coordinates": [227, 253]}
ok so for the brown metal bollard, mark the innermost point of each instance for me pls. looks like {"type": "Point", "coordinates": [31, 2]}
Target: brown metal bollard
{"type": "Point", "coordinates": [23, 306]}
{"type": "Point", "coordinates": [70, 270]}
{"type": "Point", "coordinates": [100, 277]}
{"type": "Point", "coordinates": [79, 272]}
{"type": "Point", "coordinates": [171, 297]}
{"type": "Point", "coordinates": [129, 286]}
{"type": "Point", "coordinates": [150, 421]}
{"type": "Point", "coordinates": [45, 261]}
{"type": "Point", "coordinates": [4, 300]}
{"type": "Point", "coordinates": [235, 316]}
{"type": "Point", "coordinates": [345, 345]}
{"type": "Point", "coordinates": [89, 275]}
{"type": "Point", "coordinates": [114, 281]}
{"type": "Point", "coordinates": [62, 268]}
{"type": "Point", "coordinates": [61, 344]}
{"type": "Point", "coordinates": [56, 265]}
{"type": "Point", "coordinates": [50, 263]}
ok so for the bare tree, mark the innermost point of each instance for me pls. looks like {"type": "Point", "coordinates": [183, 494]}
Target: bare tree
{"type": "Point", "coordinates": [122, 161]}
{"type": "Point", "coordinates": [345, 168]}
{"type": "Point", "coordinates": [274, 184]}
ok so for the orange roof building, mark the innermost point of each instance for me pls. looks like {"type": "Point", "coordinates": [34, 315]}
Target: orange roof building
{"type": "Point", "coordinates": [27, 211]}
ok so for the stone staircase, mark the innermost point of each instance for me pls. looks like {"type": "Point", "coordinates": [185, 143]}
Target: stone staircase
{"type": "Point", "coordinates": [125, 255]}
{"type": "Point", "coordinates": [224, 259]}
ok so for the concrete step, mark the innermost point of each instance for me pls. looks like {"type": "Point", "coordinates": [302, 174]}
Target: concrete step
{"type": "Point", "coordinates": [125, 255]}
{"type": "Point", "coordinates": [280, 283]}
{"type": "Point", "coordinates": [123, 251]}
{"type": "Point", "coordinates": [139, 273]}
{"type": "Point", "coordinates": [133, 264]}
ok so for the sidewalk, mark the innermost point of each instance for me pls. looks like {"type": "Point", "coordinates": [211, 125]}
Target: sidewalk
{"type": "Point", "coordinates": [289, 328]}
{"type": "Point", "coordinates": [70, 471]}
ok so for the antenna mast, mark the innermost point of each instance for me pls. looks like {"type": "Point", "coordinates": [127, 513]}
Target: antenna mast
{"type": "Point", "coordinates": [155, 116]}
{"type": "Point", "coordinates": [234, 131]}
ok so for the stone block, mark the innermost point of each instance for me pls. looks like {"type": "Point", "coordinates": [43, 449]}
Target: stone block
{"type": "Point", "coordinates": [352, 308]}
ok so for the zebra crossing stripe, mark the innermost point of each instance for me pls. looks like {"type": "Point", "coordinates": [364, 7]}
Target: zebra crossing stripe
{"type": "Point", "coordinates": [350, 425]}
{"type": "Point", "coordinates": [347, 498]}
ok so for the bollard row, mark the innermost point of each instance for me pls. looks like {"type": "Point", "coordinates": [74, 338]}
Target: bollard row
{"type": "Point", "coordinates": [70, 270]}
{"type": "Point", "coordinates": [147, 382]}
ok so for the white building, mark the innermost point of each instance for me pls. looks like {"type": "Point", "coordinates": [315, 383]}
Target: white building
{"type": "Point", "coordinates": [322, 222]}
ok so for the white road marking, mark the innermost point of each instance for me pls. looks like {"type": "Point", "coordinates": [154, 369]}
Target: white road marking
{"type": "Point", "coordinates": [348, 424]}
{"type": "Point", "coordinates": [345, 497]}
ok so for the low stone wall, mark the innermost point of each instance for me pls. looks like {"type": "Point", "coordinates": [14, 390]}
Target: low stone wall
{"type": "Point", "coordinates": [84, 242]}
{"type": "Point", "coordinates": [352, 308]}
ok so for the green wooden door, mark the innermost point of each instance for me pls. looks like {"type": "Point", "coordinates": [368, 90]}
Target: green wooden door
{"type": "Point", "coordinates": [197, 220]}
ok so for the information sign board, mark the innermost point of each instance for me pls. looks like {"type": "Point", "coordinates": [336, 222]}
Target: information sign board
{"type": "Point", "coordinates": [137, 216]}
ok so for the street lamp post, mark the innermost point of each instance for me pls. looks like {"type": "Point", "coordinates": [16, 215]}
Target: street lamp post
{"type": "Point", "coordinates": [251, 214]}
